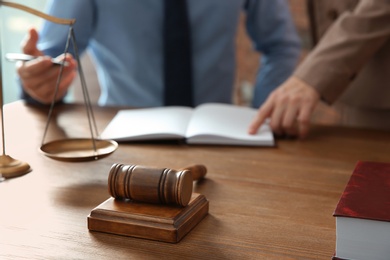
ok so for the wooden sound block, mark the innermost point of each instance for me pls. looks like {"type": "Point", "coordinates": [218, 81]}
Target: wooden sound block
{"type": "Point", "coordinates": [150, 221]}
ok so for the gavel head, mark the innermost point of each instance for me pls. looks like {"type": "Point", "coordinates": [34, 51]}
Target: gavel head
{"type": "Point", "coordinates": [151, 185]}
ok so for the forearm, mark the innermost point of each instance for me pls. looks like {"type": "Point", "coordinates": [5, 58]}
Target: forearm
{"type": "Point", "coordinates": [347, 46]}
{"type": "Point", "coordinates": [273, 72]}
{"type": "Point", "coordinates": [270, 26]}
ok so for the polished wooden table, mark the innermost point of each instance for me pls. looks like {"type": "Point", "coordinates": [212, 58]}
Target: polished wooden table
{"type": "Point", "coordinates": [265, 203]}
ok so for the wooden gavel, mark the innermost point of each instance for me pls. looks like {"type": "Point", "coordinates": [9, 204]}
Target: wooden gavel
{"type": "Point", "coordinates": [154, 185]}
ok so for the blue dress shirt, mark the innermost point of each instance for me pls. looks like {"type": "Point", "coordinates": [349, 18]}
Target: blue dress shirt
{"type": "Point", "coordinates": [124, 37]}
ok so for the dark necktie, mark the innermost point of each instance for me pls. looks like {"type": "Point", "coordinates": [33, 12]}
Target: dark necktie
{"type": "Point", "coordinates": [177, 54]}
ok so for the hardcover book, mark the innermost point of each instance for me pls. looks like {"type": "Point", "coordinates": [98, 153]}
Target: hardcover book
{"type": "Point", "coordinates": [212, 123]}
{"type": "Point", "coordinates": [363, 214]}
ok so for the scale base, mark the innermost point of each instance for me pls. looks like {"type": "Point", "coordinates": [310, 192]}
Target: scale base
{"type": "Point", "coordinates": [10, 167]}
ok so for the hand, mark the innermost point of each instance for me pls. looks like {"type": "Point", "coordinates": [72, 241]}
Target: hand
{"type": "Point", "coordinates": [39, 76]}
{"type": "Point", "coordinates": [289, 108]}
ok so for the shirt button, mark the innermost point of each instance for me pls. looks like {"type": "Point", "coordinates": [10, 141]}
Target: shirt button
{"type": "Point", "coordinates": [332, 14]}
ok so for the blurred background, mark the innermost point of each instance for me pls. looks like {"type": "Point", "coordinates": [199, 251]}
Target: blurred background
{"type": "Point", "coordinates": [15, 24]}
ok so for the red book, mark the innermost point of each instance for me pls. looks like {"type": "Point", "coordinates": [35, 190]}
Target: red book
{"type": "Point", "coordinates": [363, 214]}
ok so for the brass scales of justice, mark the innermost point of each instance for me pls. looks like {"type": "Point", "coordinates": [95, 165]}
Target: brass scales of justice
{"type": "Point", "coordinates": [71, 149]}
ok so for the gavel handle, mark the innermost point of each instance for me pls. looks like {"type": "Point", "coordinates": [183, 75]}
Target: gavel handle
{"type": "Point", "coordinates": [198, 171]}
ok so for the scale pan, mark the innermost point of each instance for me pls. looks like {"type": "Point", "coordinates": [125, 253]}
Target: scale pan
{"type": "Point", "coordinates": [78, 149]}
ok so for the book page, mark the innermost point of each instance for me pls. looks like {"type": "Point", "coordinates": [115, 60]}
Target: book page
{"type": "Point", "coordinates": [226, 124]}
{"type": "Point", "coordinates": [148, 124]}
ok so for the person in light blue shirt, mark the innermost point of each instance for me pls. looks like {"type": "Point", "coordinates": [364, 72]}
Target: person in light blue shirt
{"type": "Point", "coordinates": [124, 39]}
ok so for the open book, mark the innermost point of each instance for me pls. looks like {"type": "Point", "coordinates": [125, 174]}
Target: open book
{"type": "Point", "coordinates": [210, 123]}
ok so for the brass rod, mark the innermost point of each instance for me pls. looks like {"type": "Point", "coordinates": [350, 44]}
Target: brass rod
{"type": "Point", "coordinates": [38, 13]}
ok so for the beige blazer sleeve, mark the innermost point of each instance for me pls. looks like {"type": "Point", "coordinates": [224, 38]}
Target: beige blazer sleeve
{"type": "Point", "coordinates": [354, 39]}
